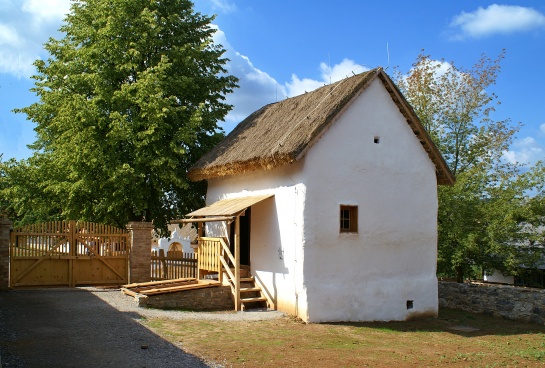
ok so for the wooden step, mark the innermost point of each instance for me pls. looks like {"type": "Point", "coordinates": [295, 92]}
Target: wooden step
{"type": "Point", "coordinates": [253, 300]}
{"type": "Point", "coordinates": [250, 289]}
{"type": "Point", "coordinates": [247, 279]}
{"type": "Point", "coordinates": [244, 271]}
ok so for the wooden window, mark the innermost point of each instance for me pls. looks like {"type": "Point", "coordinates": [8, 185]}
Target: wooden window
{"type": "Point", "coordinates": [349, 219]}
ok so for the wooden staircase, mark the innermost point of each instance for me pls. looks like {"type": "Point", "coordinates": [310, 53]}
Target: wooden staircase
{"type": "Point", "coordinates": [251, 295]}
{"type": "Point", "coordinates": [215, 259]}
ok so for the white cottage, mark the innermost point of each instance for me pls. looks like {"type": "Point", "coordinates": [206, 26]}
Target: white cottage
{"type": "Point", "coordinates": [330, 198]}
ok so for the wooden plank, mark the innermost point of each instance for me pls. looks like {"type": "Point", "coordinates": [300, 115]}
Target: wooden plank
{"type": "Point", "coordinates": [158, 282]}
{"type": "Point", "coordinates": [253, 300]}
{"type": "Point", "coordinates": [168, 287]}
{"type": "Point", "coordinates": [179, 288]}
{"type": "Point", "coordinates": [228, 270]}
{"type": "Point", "coordinates": [203, 219]}
{"type": "Point", "coordinates": [237, 264]}
{"type": "Point", "coordinates": [250, 289]}
{"type": "Point", "coordinates": [128, 292]}
{"type": "Point", "coordinates": [152, 287]}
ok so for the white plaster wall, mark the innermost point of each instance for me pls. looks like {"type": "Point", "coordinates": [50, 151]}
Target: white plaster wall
{"type": "Point", "coordinates": [497, 277]}
{"type": "Point", "coordinates": [276, 243]}
{"type": "Point", "coordinates": [392, 259]}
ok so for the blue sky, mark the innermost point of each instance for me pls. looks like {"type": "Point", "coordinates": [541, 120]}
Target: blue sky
{"type": "Point", "coordinates": [282, 48]}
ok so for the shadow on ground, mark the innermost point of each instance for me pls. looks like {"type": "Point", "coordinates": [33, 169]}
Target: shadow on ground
{"type": "Point", "coordinates": [74, 328]}
{"type": "Point", "coordinates": [456, 322]}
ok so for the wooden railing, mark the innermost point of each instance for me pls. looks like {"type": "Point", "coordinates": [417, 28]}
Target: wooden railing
{"type": "Point", "coordinates": [214, 256]}
{"type": "Point", "coordinates": [173, 265]}
{"type": "Point", "coordinates": [208, 258]}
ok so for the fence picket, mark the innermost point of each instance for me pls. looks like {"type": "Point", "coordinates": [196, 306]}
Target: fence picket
{"type": "Point", "coordinates": [173, 266]}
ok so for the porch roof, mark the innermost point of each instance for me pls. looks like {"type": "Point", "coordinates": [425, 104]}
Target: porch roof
{"type": "Point", "coordinates": [228, 207]}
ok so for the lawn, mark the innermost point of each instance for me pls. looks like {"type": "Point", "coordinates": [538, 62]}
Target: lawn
{"type": "Point", "coordinates": [455, 339]}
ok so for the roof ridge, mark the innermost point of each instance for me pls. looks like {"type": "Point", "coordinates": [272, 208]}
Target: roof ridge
{"type": "Point", "coordinates": [337, 85]}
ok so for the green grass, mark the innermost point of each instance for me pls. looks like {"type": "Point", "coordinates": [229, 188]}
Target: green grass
{"type": "Point", "coordinates": [429, 342]}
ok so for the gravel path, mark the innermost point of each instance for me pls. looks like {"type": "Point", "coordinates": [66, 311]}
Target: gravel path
{"type": "Point", "coordinates": [125, 303]}
{"type": "Point", "coordinates": [89, 327]}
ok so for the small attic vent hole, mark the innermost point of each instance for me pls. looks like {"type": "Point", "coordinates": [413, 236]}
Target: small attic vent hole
{"type": "Point", "coordinates": [410, 304]}
{"type": "Point", "coordinates": [376, 139]}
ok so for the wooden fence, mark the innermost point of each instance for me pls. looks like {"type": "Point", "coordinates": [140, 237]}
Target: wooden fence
{"type": "Point", "coordinates": [174, 265]}
{"type": "Point", "coordinates": [68, 253]}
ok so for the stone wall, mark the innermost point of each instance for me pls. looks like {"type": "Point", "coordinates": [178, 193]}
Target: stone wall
{"type": "Point", "coordinates": [206, 299]}
{"type": "Point", "coordinates": [509, 302]}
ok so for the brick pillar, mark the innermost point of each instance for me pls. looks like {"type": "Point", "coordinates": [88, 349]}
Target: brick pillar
{"type": "Point", "coordinates": [140, 254]}
{"type": "Point", "coordinates": [5, 227]}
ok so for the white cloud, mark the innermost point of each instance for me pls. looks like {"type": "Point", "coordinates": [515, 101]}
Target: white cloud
{"type": "Point", "coordinates": [9, 36]}
{"type": "Point", "coordinates": [340, 71]}
{"type": "Point", "coordinates": [225, 6]}
{"type": "Point", "coordinates": [24, 27]}
{"type": "Point", "coordinates": [46, 11]}
{"type": "Point", "coordinates": [299, 86]}
{"type": "Point", "coordinates": [329, 75]}
{"type": "Point", "coordinates": [496, 19]}
{"type": "Point", "coordinates": [524, 151]}
{"type": "Point", "coordinates": [257, 88]}
{"type": "Point", "coordinates": [542, 128]}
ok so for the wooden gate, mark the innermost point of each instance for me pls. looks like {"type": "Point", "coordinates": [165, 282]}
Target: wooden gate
{"type": "Point", "coordinates": [68, 253]}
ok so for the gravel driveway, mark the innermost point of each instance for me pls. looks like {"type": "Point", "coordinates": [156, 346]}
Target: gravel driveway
{"type": "Point", "coordinates": [89, 327]}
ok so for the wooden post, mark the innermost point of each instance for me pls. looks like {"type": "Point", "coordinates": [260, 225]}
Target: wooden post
{"type": "Point", "coordinates": [163, 262]}
{"type": "Point", "coordinates": [73, 252]}
{"type": "Point", "coordinates": [199, 236]}
{"type": "Point", "coordinates": [5, 228]}
{"type": "Point", "coordinates": [237, 264]}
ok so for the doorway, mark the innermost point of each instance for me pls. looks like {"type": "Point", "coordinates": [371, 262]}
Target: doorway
{"type": "Point", "coordinates": [245, 225]}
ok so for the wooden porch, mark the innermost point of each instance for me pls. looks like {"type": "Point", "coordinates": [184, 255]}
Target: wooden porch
{"type": "Point", "coordinates": [214, 256]}
{"type": "Point", "coordinates": [217, 265]}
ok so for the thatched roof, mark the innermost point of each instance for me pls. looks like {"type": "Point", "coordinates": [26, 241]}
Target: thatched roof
{"type": "Point", "coordinates": [282, 132]}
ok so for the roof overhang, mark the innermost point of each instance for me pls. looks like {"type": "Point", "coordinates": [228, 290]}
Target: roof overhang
{"type": "Point", "coordinates": [223, 210]}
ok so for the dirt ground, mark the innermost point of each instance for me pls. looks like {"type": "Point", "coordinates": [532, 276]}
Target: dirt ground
{"type": "Point", "coordinates": [455, 339]}
{"type": "Point", "coordinates": [76, 328]}
{"type": "Point", "coordinates": [104, 328]}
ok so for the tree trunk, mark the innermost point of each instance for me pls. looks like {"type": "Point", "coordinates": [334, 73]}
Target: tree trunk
{"type": "Point", "coordinates": [459, 274]}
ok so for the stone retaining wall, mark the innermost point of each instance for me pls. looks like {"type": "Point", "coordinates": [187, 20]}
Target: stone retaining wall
{"type": "Point", "coordinates": [206, 299]}
{"type": "Point", "coordinates": [509, 302]}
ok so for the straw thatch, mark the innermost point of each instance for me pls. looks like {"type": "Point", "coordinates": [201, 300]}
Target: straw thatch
{"type": "Point", "coordinates": [281, 133]}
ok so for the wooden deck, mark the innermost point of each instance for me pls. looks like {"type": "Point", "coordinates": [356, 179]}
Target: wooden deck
{"type": "Point", "coordinates": [167, 286]}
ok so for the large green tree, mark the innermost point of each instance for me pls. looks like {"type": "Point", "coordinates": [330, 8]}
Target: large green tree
{"type": "Point", "coordinates": [129, 99]}
{"type": "Point", "coordinates": [485, 219]}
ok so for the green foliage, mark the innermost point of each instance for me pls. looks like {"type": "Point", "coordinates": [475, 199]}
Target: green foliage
{"type": "Point", "coordinates": [489, 210]}
{"type": "Point", "coordinates": [129, 100]}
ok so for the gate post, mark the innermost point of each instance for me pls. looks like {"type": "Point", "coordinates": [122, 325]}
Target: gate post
{"type": "Point", "coordinates": [5, 227]}
{"type": "Point", "coordinates": [140, 252]}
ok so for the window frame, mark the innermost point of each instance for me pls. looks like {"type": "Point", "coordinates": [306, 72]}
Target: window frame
{"type": "Point", "coordinates": [352, 219]}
